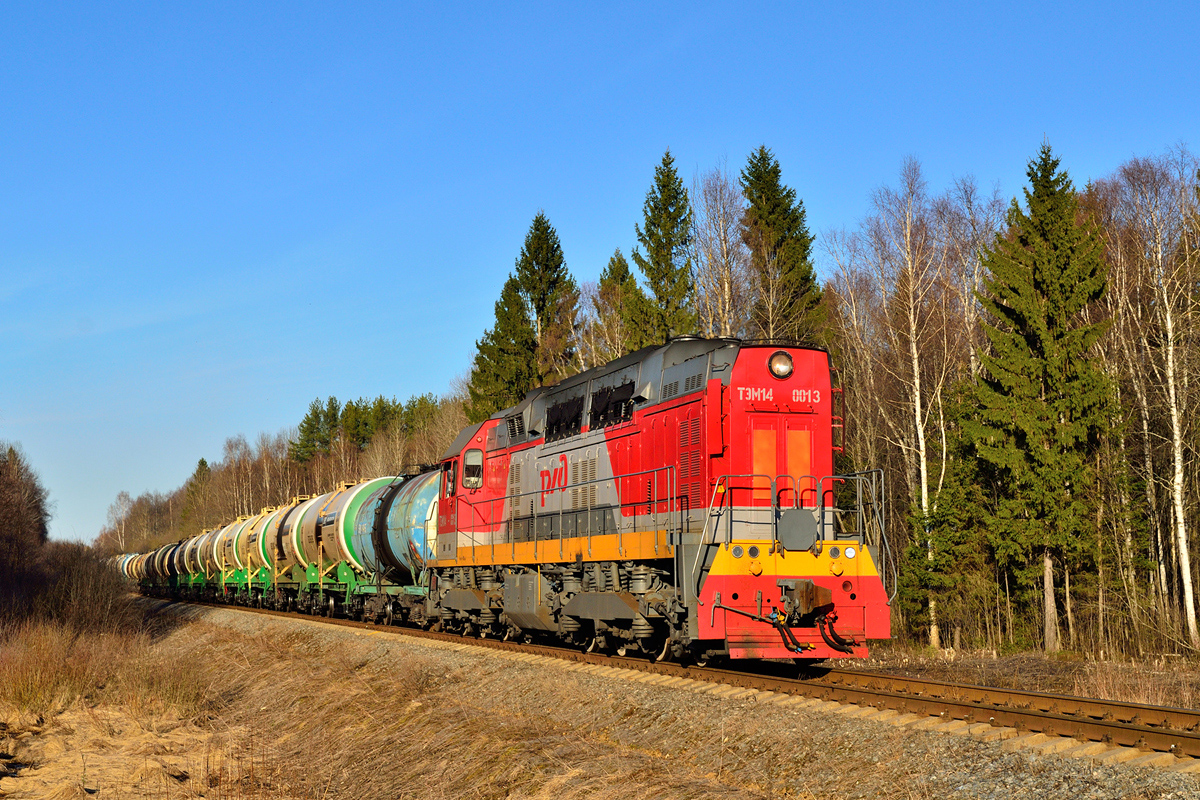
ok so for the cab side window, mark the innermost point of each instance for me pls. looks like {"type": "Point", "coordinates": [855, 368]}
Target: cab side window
{"type": "Point", "coordinates": [449, 474]}
{"type": "Point", "coordinates": [473, 469]}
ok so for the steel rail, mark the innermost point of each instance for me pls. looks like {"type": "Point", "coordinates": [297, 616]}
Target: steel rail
{"type": "Point", "coordinates": [1160, 728]}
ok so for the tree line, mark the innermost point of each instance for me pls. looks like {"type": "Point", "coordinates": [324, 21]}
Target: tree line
{"type": "Point", "coordinates": [62, 584]}
{"type": "Point", "coordinates": [1024, 372]}
{"type": "Point", "coordinates": [333, 442]}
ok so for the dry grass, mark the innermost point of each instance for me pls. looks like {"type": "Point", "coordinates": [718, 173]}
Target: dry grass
{"type": "Point", "coordinates": [82, 636]}
{"type": "Point", "coordinates": [1162, 681]}
{"type": "Point", "coordinates": [293, 713]}
{"type": "Point", "coordinates": [1158, 683]}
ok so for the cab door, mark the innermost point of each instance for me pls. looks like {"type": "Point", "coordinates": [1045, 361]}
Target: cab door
{"type": "Point", "coordinates": [447, 515]}
{"type": "Point", "coordinates": [781, 450]}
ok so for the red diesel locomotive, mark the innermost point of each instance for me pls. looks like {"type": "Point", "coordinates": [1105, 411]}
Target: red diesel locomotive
{"type": "Point", "coordinates": [680, 501]}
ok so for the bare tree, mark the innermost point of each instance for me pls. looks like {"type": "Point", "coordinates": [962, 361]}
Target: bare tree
{"type": "Point", "coordinates": [118, 516]}
{"type": "Point", "coordinates": [899, 304]}
{"type": "Point", "coordinates": [1155, 258]}
{"type": "Point", "coordinates": [722, 259]}
{"type": "Point", "coordinates": [969, 222]}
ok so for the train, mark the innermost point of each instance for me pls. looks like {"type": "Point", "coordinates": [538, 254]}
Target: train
{"type": "Point", "coordinates": [678, 503]}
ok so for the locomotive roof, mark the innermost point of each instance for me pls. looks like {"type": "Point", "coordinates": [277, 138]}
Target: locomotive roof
{"type": "Point", "coordinates": [674, 352]}
{"type": "Point", "coordinates": [461, 440]}
{"type": "Point", "coordinates": [684, 346]}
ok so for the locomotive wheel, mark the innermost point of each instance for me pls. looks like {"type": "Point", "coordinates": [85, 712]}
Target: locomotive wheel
{"type": "Point", "coordinates": [668, 652]}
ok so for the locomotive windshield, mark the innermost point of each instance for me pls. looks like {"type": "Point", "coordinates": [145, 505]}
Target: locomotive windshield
{"type": "Point", "coordinates": [473, 469]}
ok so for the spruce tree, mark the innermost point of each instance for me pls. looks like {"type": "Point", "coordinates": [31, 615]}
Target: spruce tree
{"type": "Point", "coordinates": [620, 305]}
{"type": "Point", "coordinates": [667, 264]}
{"type": "Point", "coordinates": [947, 561]}
{"type": "Point", "coordinates": [505, 361]}
{"type": "Point", "coordinates": [1040, 400]}
{"type": "Point", "coordinates": [418, 413]}
{"type": "Point", "coordinates": [331, 427]}
{"type": "Point", "coordinates": [787, 302]}
{"type": "Point", "coordinates": [192, 515]}
{"type": "Point", "coordinates": [384, 413]}
{"type": "Point", "coordinates": [355, 424]}
{"type": "Point", "coordinates": [552, 298]}
{"type": "Point", "coordinates": [309, 434]}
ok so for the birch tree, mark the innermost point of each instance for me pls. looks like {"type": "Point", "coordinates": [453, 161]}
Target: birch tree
{"type": "Point", "coordinates": [721, 258]}
{"type": "Point", "coordinates": [896, 307]}
{"type": "Point", "coordinates": [1152, 246]}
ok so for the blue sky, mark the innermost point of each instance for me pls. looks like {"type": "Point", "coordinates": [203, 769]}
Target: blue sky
{"type": "Point", "coordinates": [211, 213]}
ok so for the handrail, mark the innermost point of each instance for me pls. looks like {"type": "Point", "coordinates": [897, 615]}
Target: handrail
{"type": "Point", "coordinates": [477, 520]}
{"type": "Point", "coordinates": [872, 512]}
{"type": "Point", "coordinates": [869, 512]}
{"type": "Point", "coordinates": [717, 484]}
{"type": "Point", "coordinates": [869, 508]}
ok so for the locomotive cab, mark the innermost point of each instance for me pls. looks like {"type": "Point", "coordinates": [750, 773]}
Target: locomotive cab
{"type": "Point", "coordinates": [791, 572]}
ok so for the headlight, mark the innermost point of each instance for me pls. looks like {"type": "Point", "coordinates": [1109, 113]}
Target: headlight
{"type": "Point", "coordinates": [780, 364]}
{"type": "Point", "coordinates": [850, 552]}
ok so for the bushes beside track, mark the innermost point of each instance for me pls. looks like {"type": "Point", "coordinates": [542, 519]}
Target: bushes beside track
{"type": "Point", "coordinates": [67, 620]}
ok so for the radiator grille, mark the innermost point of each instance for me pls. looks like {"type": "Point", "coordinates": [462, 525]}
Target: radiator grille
{"type": "Point", "coordinates": [582, 471]}
{"type": "Point", "coordinates": [691, 466]}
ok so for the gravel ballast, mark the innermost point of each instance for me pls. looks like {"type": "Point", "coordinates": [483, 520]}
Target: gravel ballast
{"type": "Point", "coordinates": [743, 744]}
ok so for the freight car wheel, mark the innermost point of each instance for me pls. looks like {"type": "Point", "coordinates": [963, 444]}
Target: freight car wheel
{"type": "Point", "coordinates": [388, 615]}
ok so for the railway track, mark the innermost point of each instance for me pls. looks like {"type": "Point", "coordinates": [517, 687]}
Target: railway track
{"type": "Point", "coordinates": [1151, 728]}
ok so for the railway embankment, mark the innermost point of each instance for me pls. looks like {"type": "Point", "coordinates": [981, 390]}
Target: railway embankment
{"type": "Point", "coordinates": [240, 705]}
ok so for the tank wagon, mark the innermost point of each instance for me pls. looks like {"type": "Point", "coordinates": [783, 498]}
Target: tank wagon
{"type": "Point", "coordinates": [680, 502]}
